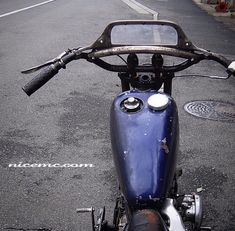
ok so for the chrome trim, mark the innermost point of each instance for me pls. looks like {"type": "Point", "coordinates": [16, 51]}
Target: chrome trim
{"type": "Point", "coordinates": [170, 211]}
{"type": "Point", "coordinates": [198, 211]}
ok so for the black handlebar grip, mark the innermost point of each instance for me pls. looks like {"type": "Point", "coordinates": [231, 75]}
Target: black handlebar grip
{"type": "Point", "coordinates": [39, 80]}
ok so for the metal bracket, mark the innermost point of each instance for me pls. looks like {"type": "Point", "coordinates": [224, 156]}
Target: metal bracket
{"type": "Point", "coordinates": [88, 210]}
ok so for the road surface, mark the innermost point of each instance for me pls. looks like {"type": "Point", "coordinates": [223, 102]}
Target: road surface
{"type": "Point", "coordinates": [67, 121]}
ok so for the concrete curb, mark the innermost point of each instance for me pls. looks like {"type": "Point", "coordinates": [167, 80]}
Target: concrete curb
{"type": "Point", "coordinates": [227, 18]}
{"type": "Point", "coordinates": [210, 8]}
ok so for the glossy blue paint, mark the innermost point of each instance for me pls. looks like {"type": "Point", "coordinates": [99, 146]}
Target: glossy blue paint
{"type": "Point", "coordinates": [144, 147]}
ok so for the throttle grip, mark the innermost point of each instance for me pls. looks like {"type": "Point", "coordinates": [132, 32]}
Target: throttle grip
{"type": "Point", "coordinates": [40, 79]}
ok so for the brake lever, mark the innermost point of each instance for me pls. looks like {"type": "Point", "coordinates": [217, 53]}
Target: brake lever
{"type": "Point", "coordinates": [49, 62]}
{"type": "Point", "coordinates": [36, 68]}
{"type": "Point", "coordinates": [77, 51]}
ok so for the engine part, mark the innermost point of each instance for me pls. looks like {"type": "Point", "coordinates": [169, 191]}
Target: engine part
{"type": "Point", "coordinates": [192, 209]}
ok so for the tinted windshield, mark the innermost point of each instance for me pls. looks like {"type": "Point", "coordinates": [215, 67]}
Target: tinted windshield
{"type": "Point", "coordinates": [144, 34]}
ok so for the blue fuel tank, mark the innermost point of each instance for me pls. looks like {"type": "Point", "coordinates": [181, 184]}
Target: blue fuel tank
{"type": "Point", "coordinates": [145, 146]}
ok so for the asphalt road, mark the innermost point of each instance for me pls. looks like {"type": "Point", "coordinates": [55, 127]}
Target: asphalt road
{"type": "Point", "coordinates": [67, 121]}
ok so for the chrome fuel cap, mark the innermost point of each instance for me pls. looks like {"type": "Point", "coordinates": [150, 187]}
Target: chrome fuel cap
{"type": "Point", "coordinates": [158, 102]}
{"type": "Point", "coordinates": [131, 104]}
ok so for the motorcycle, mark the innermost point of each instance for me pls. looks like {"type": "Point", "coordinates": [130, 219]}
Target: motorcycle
{"type": "Point", "coordinates": [144, 122]}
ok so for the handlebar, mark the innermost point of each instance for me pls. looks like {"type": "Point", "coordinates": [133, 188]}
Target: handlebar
{"type": "Point", "coordinates": [94, 56]}
{"type": "Point", "coordinates": [143, 49]}
{"type": "Point", "coordinates": [191, 56]}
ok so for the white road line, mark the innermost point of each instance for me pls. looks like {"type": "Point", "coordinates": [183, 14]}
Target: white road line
{"type": "Point", "coordinates": [144, 10]}
{"type": "Point", "coordinates": [26, 8]}
{"type": "Point", "coordinates": [141, 8]}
